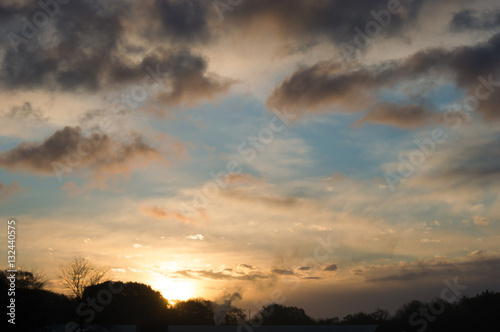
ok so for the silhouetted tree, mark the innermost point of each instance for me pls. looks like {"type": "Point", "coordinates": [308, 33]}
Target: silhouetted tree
{"type": "Point", "coordinates": [234, 316]}
{"type": "Point", "coordinates": [194, 312]}
{"type": "Point", "coordinates": [328, 321]}
{"type": "Point", "coordinates": [375, 318]}
{"type": "Point", "coordinates": [31, 279]}
{"type": "Point", "coordinates": [126, 303]}
{"type": "Point", "coordinates": [35, 307]}
{"type": "Point", "coordinates": [277, 314]}
{"type": "Point", "coordinates": [359, 318]}
{"type": "Point", "coordinates": [80, 274]}
{"type": "Point", "coordinates": [380, 315]}
{"type": "Point", "coordinates": [479, 313]}
{"type": "Point", "coordinates": [406, 310]}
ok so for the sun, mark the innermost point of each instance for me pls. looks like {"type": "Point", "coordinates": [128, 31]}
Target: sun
{"type": "Point", "coordinates": [175, 289]}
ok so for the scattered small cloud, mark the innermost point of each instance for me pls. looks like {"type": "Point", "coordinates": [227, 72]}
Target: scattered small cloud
{"type": "Point", "coordinates": [282, 272]}
{"type": "Point", "coordinates": [163, 213]}
{"type": "Point", "coordinates": [331, 268]}
{"type": "Point", "coordinates": [246, 266]}
{"type": "Point", "coordinates": [196, 237]}
{"type": "Point", "coordinates": [481, 221]}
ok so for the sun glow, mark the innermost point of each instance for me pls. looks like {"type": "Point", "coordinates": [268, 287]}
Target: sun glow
{"type": "Point", "coordinates": [175, 289]}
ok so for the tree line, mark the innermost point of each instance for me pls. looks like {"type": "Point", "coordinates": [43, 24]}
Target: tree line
{"type": "Point", "coordinates": [98, 301]}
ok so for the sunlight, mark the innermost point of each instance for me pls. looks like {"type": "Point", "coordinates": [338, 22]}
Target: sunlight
{"type": "Point", "coordinates": [174, 289]}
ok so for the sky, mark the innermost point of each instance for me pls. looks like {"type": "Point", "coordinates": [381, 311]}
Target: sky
{"type": "Point", "coordinates": [333, 155]}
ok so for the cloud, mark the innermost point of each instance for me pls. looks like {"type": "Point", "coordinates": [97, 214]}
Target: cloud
{"type": "Point", "coordinates": [332, 267]}
{"type": "Point", "coordinates": [469, 19]}
{"type": "Point", "coordinates": [324, 83]}
{"type": "Point", "coordinates": [219, 275]}
{"type": "Point", "coordinates": [94, 48]}
{"type": "Point", "coordinates": [282, 272]}
{"type": "Point", "coordinates": [87, 51]}
{"type": "Point", "coordinates": [246, 266]}
{"type": "Point", "coordinates": [403, 116]}
{"type": "Point", "coordinates": [474, 162]}
{"type": "Point", "coordinates": [224, 305]}
{"type": "Point", "coordinates": [162, 213]}
{"type": "Point", "coordinates": [244, 196]}
{"type": "Point", "coordinates": [481, 221]}
{"type": "Point", "coordinates": [8, 190]}
{"type": "Point", "coordinates": [196, 237]}
{"type": "Point", "coordinates": [418, 270]}
{"type": "Point", "coordinates": [244, 178]}
{"type": "Point", "coordinates": [328, 87]}
{"type": "Point", "coordinates": [182, 20]}
{"type": "Point", "coordinates": [25, 112]}
{"type": "Point", "coordinates": [68, 149]}
{"type": "Point", "coordinates": [358, 272]}
{"type": "Point", "coordinates": [308, 20]}
{"type": "Point", "coordinates": [477, 253]}
{"type": "Point", "coordinates": [189, 79]}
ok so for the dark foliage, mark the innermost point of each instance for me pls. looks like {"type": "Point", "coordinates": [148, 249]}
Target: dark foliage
{"type": "Point", "coordinates": [277, 314]}
{"type": "Point", "coordinates": [134, 303]}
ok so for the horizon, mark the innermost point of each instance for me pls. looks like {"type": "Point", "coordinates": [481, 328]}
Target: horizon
{"type": "Point", "coordinates": [340, 156]}
{"type": "Point", "coordinates": [455, 296]}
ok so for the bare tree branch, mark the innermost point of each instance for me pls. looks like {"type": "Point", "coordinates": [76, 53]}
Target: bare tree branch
{"type": "Point", "coordinates": [80, 274]}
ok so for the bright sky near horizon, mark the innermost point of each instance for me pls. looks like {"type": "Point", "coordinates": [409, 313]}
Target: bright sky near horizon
{"type": "Point", "coordinates": [333, 155]}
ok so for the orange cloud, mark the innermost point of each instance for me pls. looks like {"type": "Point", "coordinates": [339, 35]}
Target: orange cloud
{"type": "Point", "coordinates": [162, 213]}
{"type": "Point", "coordinates": [242, 178]}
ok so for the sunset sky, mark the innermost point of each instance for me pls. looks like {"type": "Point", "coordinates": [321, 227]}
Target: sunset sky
{"type": "Point", "coordinates": [333, 155]}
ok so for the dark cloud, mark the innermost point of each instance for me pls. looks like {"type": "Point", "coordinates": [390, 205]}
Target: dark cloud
{"type": "Point", "coordinates": [332, 267]}
{"type": "Point", "coordinates": [358, 272]}
{"type": "Point", "coordinates": [341, 298]}
{"type": "Point", "coordinates": [404, 116]}
{"type": "Point", "coordinates": [304, 268]}
{"type": "Point", "coordinates": [25, 112]}
{"type": "Point", "coordinates": [162, 213]}
{"type": "Point", "coordinates": [332, 20]}
{"type": "Point", "coordinates": [246, 266]}
{"type": "Point", "coordinates": [467, 20]}
{"type": "Point", "coordinates": [244, 196]}
{"type": "Point", "coordinates": [188, 77]}
{"type": "Point", "coordinates": [326, 86]}
{"type": "Point", "coordinates": [421, 270]}
{"type": "Point", "coordinates": [282, 272]}
{"type": "Point", "coordinates": [9, 12]}
{"type": "Point", "coordinates": [321, 85]}
{"type": "Point", "coordinates": [8, 190]}
{"type": "Point", "coordinates": [69, 148]}
{"type": "Point", "coordinates": [224, 305]}
{"type": "Point", "coordinates": [219, 275]}
{"type": "Point", "coordinates": [476, 163]}
{"type": "Point", "coordinates": [91, 51]}
{"type": "Point", "coordinates": [86, 40]}
{"type": "Point", "coordinates": [183, 20]}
